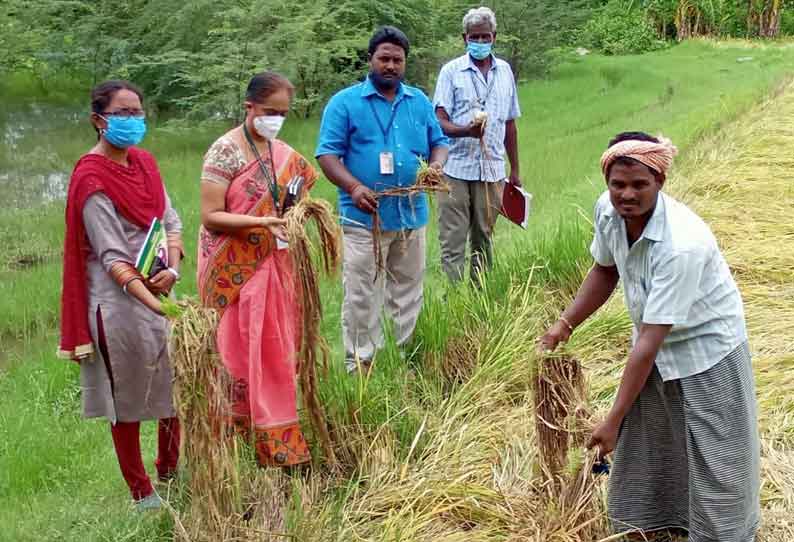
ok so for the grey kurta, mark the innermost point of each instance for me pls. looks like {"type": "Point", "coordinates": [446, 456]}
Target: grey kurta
{"type": "Point", "coordinates": [133, 382]}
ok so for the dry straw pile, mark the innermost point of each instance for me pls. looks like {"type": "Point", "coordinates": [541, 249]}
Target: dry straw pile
{"type": "Point", "coordinates": [740, 182]}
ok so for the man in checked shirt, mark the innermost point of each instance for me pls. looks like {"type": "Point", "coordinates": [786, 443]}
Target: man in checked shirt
{"type": "Point", "coordinates": [476, 169]}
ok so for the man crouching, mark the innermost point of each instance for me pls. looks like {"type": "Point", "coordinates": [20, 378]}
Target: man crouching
{"type": "Point", "coordinates": [683, 425]}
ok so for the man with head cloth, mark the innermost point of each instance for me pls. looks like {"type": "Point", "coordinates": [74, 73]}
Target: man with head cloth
{"type": "Point", "coordinates": [372, 138]}
{"type": "Point", "coordinates": [683, 425]}
{"type": "Point", "coordinates": [477, 103]}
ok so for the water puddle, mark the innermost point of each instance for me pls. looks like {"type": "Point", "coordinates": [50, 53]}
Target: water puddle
{"type": "Point", "coordinates": [40, 144]}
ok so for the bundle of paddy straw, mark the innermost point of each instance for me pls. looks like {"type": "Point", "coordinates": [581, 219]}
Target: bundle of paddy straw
{"type": "Point", "coordinates": [562, 424]}
{"type": "Point", "coordinates": [200, 397]}
{"type": "Point", "coordinates": [428, 180]}
{"type": "Point", "coordinates": [560, 410]}
{"type": "Point", "coordinates": [313, 348]}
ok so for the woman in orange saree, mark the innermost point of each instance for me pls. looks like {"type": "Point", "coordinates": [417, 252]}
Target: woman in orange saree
{"type": "Point", "coordinates": [245, 271]}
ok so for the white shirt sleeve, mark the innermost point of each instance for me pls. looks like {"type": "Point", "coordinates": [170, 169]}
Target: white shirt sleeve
{"type": "Point", "coordinates": [444, 95]}
{"type": "Point", "coordinates": [515, 108]}
{"type": "Point", "coordinates": [599, 248]}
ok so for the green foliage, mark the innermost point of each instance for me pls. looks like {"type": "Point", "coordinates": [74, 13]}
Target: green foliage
{"type": "Point", "coordinates": [787, 23]}
{"type": "Point", "coordinates": [683, 19]}
{"type": "Point", "coordinates": [194, 58]}
{"type": "Point", "coordinates": [620, 29]}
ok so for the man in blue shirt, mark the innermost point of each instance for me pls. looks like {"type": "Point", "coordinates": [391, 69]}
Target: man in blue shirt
{"type": "Point", "coordinates": [372, 138]}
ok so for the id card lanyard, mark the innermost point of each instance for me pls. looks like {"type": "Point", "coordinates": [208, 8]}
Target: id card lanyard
{"type": "Point", "coordinates": [268, 173]}
{"type": "Point", "coordinates": [386, 157]}
{"type": "Point", "coordinates": [488, 88]}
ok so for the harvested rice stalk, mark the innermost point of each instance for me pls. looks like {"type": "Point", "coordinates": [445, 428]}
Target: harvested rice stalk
{"type": "Point", "coordinates": [429, 180]}
{"type": "Point", "coordinates": [376, 250]}
{"type": "Point", "coordinates": [200, 398]}
{"type": "Point", "coordinates": [559, 408]}
{"type": "Point", "coordinates": [300, 247]}
{"type": "Point", "coordinates": [487, 167]}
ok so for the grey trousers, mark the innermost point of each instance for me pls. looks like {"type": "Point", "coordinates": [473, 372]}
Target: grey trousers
{"type": "Point", "coordinates": [399, 287]}
{"type": "Point", "coordinates": [469, 211]}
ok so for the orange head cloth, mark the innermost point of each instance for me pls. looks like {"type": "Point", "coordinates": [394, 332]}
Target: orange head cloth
{"type": "Point", "coordinates": [657, 156]}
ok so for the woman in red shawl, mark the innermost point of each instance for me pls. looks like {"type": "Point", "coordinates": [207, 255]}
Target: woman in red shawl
{"type": "Point", "coordinates": [111, 317]}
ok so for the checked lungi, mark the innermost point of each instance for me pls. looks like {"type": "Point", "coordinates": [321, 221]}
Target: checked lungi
{"type": "Point", "coordinates": [688, 456]}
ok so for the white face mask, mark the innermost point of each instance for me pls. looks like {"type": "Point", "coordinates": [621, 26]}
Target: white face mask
{"type": "Point", "coordinates": [268, 126]}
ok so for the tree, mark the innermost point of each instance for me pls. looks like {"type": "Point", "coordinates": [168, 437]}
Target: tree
{"type": "Point", "coordinates": [763, 17]}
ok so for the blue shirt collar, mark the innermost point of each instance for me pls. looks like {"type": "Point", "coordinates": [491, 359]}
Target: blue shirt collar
{"type": "Point", "coordinates": [368, 89]}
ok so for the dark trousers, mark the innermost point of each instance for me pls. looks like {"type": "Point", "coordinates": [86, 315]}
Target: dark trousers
{"type": "Point", "coordinates": [127, 441]}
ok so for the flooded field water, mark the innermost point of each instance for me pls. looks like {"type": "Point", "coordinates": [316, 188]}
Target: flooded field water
{"type": "Point", "coordinates": [39, 146]}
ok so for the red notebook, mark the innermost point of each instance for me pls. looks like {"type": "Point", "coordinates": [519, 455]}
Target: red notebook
{"type": "Point", "coordinates": [516, 203]}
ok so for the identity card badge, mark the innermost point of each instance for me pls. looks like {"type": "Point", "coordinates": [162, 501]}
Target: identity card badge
{"type": "Point", "coordinates": [386, 163]}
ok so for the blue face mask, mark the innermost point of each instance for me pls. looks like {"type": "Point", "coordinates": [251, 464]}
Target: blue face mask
{"type": "Point", "coordinates": [123, 132]}
{"type": "Point", "coordinates": [479, 51]}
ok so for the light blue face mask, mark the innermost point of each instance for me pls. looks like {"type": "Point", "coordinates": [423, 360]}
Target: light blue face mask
{"type": "Point", "coordinates": [123, 132]}
{"type": "Point", "coordinates": [479, 51]}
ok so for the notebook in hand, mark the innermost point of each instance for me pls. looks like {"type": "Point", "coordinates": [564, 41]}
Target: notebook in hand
{"type": "Point", "coordinates": [516, 203]}
{"type": "Point", "coordinates": [153, 256]}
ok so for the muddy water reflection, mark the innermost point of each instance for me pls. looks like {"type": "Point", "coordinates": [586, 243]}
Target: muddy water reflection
{"type": "Point", "coordinates": [40, 144]}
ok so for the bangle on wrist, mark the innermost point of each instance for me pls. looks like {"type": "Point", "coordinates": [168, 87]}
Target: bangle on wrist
{"type": "Point", "coordinates": [124, 288]}
{"type": "Point", "coordinates": [174, 272]}
{"type": "Point", "coordinates": [565, 321]}
{"type": "Point", "coordinates": [123, 273]}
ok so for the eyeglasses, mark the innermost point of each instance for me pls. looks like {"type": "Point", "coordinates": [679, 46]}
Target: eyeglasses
{"type": "Point", "coordinates": [126, 113]}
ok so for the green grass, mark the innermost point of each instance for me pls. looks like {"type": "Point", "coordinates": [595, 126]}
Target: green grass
{"type": "Point", "coordinates": [58, 475]}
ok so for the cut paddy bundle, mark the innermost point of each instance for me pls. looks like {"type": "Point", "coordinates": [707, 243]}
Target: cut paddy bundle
{"type": "Point", "coordinates": [200, 397]}
{"type": "Point", "coordinates": [313, 348]}
{"type": "Point", "coordinates": [428, 180]}
{"type": "Point", "coordinates": [376, 250]}
{"type": "Point", "coordinates": [562, 421]}
{"type": "Point", "coordinates": [560, 409]}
